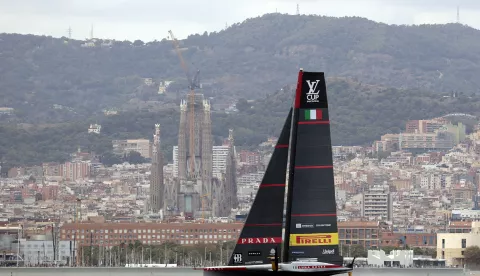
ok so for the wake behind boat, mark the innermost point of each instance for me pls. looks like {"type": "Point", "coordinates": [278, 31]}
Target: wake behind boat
{"type": "Point", "coordinates": [310, 243]}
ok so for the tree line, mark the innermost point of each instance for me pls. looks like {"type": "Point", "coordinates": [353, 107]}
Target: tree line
{"type": "Point", "coordinates": [167, 253]}
{"type": "Point", "coordinates": [208, 254]}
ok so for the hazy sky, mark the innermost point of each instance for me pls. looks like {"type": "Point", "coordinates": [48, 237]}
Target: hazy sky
{"type": "Point", "coordinates": [151, 19]}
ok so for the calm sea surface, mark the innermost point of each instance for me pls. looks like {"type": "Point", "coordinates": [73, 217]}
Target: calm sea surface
{"type": "Point", "coordinates": [191, 272]}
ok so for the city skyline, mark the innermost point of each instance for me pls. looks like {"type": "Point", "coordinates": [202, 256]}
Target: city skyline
{"type": "Point", "coordinates": [128, 20]}
{"type": "Point", "coordinates": [395, 196]}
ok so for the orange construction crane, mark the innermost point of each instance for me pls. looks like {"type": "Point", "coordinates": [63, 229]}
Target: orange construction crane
{"type": "Point", "coordinates": [192, 83]}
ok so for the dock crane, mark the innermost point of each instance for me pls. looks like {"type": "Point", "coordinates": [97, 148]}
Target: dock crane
{"type": "Point", "coordinates": [193, 83]}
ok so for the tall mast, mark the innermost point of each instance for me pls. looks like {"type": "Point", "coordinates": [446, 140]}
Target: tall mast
{"type": "Point", "coordinates": [293, 142]}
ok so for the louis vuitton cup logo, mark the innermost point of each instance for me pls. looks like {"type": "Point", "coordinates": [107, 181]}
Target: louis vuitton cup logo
{"type": "Point", "coordinates": [313, 92]}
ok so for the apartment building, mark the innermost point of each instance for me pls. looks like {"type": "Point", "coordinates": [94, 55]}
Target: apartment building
{"type": "Point", "coordinates": [142, 146]}
{"type": "Point", "coordinates": [452, 246]}
{"type": "Point", "coordinates": [219, 160]}
{"type": "Point", "coordinates": [388, 142]}
{"type": "Point", "coordinates": [110, 234]}
{"type": "Point", "coordinates": [440, 140]}
{"type": "Point", "coordinates": [75, 170]}
{"type": "Point", "coordinates": [364, 233]}
{"type": "Point", "coordinates": [377, 204]}
{"type": "Point", "coordinates": [459, 227]}
{"type": "Point", "coordinates": [249, 157]}
{"type": "Point", "coordinates": [396, 239]}
{"type": "Point", "coordinates": [425, 126]}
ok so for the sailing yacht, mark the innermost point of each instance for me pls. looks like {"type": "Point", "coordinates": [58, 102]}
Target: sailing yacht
{"type": "Point", "coordinates": [310, 241]}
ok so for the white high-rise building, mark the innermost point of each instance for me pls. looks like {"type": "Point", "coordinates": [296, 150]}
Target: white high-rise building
{"type": "Point", "coordinates": [377, 203]}
{"type": "Point", "coordinates": [175, 161]}
{"type": "Point", "coordinates": [219, 162]}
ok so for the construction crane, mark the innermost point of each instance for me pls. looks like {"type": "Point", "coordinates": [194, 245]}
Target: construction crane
{"type": "Point", "coordinates": [192, 84]}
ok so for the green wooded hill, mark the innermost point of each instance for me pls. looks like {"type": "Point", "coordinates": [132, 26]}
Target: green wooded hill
{"type": "Point", "coordinates": [53, 80]}
{"type": "Point", "coordinates": [380, 76]}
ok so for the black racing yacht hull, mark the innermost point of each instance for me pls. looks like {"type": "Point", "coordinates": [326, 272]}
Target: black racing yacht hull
{"type": "Point", "coordinates": [253, 273]}
{"type": "Point", "coordinates": [295, 268]}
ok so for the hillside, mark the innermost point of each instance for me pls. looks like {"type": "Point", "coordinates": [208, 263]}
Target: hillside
{"type": "Point", "coordinates": [56, 80]}
{"type": "Point", "coordinates": [360, 113]}
{"type": "Point", "coordinates": [429, 57]}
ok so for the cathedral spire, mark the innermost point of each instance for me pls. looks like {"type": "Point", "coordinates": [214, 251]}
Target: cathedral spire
{"type": "Point", "coordinates": [156, 176]}
{"type": "Point", "coordinates": [230, 181]}
{"type": "Point", "coordinates": [230, 136]}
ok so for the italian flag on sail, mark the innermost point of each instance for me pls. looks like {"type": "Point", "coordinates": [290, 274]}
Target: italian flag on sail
{"type": "Point", "coordinates": [313, 114]}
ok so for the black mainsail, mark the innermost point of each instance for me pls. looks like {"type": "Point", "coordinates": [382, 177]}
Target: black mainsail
{"type": "Point", "coordinates": [311, 223]}
{"type": "Point", "coordinates": [261, 235]}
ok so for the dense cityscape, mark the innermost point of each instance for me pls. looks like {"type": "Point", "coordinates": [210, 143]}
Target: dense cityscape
{"type": "Point", "coordinates": [408, 189]}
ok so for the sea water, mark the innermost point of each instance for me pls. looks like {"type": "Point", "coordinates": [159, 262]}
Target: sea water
{"type": "Point", "coordinates": [120, 271]}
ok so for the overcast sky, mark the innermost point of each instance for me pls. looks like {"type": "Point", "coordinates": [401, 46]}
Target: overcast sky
{"type": "Point", "coordinates": [151, 19]}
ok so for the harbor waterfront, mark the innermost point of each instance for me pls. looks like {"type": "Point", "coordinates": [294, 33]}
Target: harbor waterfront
{"type": "Point", "coordinates": [121, 271]}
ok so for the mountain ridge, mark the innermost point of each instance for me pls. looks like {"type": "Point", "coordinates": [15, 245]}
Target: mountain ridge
{"type": "Point", "coordinates": [248, 59]}
{"type": "Point", "coordinates": [378, 77]}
